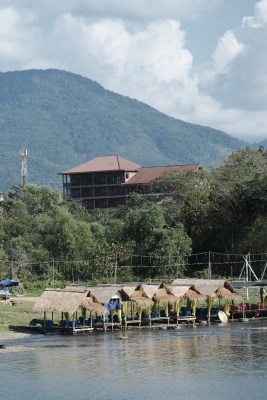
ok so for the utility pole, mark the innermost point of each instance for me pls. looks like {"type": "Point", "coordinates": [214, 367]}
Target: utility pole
{"type": "Point", "coordinates": [209, 267]}
{"type": "Point", "coordinates": [115, 269]}
{"type": "Point", "coordinates": [24, 172]}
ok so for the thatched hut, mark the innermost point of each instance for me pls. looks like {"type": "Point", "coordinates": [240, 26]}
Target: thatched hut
{"type": "Point", "coordinates": [211, 289]}
{"type": "Point", "coordinates": [60, 300]}
{"type": "Point", "coordinates": [91, 304]}
{"type": "Point", "coordinates": [104, 295]}
{"type": "Point", "coordinates": [142, 297]}
{"type": "Point", "coordinates": [127, 300]}
{"type": "Point", "coordinates": [188, 293]}
{"type": "Point", "coordinates": [164, 298]}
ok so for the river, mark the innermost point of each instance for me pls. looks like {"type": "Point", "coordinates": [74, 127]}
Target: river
{"type": "Point", "coordinates": [192, 363]}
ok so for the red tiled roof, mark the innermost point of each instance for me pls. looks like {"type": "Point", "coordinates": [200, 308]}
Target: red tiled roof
{"type": "Point", "coordinates": [149, 174]}
{"type": "Point", "coordinates": [108, 163]}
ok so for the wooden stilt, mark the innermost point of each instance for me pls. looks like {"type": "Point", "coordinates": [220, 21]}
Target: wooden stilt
{"type": "Point", "coordinates": [45, 322]}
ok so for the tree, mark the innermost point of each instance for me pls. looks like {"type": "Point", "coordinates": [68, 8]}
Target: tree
{"type": "Point", "coordinates": [146, 229]}
{"type": "Point", "coordinates": [185, 199]}
{"type": "Point", "coordinates": [238, 183]}
{"type": "Point", "coordinates": [38, 199]}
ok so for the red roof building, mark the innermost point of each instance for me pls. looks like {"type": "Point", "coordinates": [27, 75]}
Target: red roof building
{"type": "Point", "coordinates": [105, 182]}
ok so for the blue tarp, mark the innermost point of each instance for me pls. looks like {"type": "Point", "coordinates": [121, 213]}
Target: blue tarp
{"type": "Point", "coordinates": [9, 282]}
{"type": "Point", "coordinates": [113, 304]}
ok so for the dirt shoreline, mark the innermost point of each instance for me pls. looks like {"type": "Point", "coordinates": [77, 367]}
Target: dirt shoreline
{"type": "Point", "coordinates": [9, 335]}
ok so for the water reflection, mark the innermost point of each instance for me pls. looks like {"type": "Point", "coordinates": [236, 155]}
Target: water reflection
{"type": "Point", "coordinates": [196, 363]}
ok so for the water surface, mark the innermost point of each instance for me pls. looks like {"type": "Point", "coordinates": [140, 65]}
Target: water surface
{"type": "Point", "coordinates": [202, 362]}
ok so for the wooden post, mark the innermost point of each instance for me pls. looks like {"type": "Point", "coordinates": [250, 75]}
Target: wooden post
{"type": "Point", "coordinates": [73, 322]}
{"type": "Point", "coordinates": [84, 318]}
{"type": "Point", "coordinates": [116, 267]}
{"type": "Point", "coordinates": [45, 322]}
{"type": "Point", "coordinates": [209, 267]}
{"type": "Point", "coordinates": [53, 272]}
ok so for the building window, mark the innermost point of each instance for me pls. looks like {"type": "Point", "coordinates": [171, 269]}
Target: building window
{"type": "Point", "coordinates": [116, 191]}
{"type": "Point", "coordinates": [100, 179]}
{"type": "Point", "coordinates": [87, 192]}
{"type": "Point", "coordinates": [87, 180]}
{"type": "Point", "coordinates": [116, 202]}
{"type": "Point", "coordinates": [100, 191]}
{"type": "Point", "coordinates": [74, 181]}
{"type": "Point", "coordinates": [118, 178]}
{"type": "Point", "coordinates": [75, 193]}
{"type": "Point", "coordinates": [101, 203]}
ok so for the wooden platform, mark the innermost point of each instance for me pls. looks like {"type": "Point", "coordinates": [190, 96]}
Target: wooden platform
{"type": "Point", "coordinates": [132, 323]}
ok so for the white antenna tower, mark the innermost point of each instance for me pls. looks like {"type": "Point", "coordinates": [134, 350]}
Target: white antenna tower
{"type": "Point", "coordinates": [24, 173]}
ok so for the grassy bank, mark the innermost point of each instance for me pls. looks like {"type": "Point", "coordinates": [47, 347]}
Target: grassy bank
{"type": "Point", "coordinates": [17, 317]}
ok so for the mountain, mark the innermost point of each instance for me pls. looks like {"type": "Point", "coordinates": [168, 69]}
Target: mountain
{"type": "Point", "coordinates": [258, 144]}
{"type": "Point", "coordinates": [64, 119]}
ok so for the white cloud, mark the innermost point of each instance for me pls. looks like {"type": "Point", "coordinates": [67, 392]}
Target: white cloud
{"type": "Point", "coordinates": [227, 49]}
{"type": "Point", "coordinates": [138, 48]}
{"type": "Point", "coordinates": [259, 18]}
{"type": "Point", "coordinates": [236, 82]}
{"type": "Point", "coordinates": [18, 36]}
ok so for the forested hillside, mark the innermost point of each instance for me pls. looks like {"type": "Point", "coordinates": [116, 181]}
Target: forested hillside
{"type": "Point", "coordinates": [46, 239]}
{"type": "Point", "coordinates": [64, 119]}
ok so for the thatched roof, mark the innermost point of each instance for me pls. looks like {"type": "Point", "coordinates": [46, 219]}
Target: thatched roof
{"type": "Point", "coordinates": [149, 290]}
{"type": "Point", "coordinates": [143, 301]}
{"type": "Point", "coordinates": [161, 296]}
{"type": "Point", "coordinates": [227, 294]}
{"type": "Point", "coordinates": [206, 287]}
{"type": "Point", "coordinates": [104, 293]}
{"type": "Point", "coordinates": [187, 292]}
{"type": "Point", "coordinates": [62, 300]}
{"type": "Point", "coordinates": [178, 291]}
{"type": "Point", "coordinates": [193, 294]}
{"type": "Point", "coordinates": [91, 304]}
{"type": "Point", "coordinates": [140, 297]}
{"type": "Point", "coordinates": [126, 292]}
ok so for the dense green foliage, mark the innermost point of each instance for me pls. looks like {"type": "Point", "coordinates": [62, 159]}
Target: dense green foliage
{"type": "Point", "coordinates": [44, 238]}
{"type": "Point", "coordinates": [64, 119]}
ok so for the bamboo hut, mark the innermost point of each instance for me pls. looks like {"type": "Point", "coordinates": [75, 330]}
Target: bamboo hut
{"type": "Point", "coordinates": [91, 304]}
{"type": "Point", "coordinates": [127, 301]}
{"type": "Point", "coordinates": [104, 294]}
{"type": "Point", "coordinates": [212, 289]}
{"type": "Point", "coordinates": [163, 298]}
{"type": "Point", "coordinates": [188, 293]}
{"type": "Point", "coordinates": [141, 296]}
{"type": "Point", "coordinates": [60, 300]}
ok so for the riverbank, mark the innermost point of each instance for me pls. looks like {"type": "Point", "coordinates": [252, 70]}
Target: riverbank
{"type": "Point", "coordinates": [10, 335]}
{"type": "Point", "coordinates": [15, 318]}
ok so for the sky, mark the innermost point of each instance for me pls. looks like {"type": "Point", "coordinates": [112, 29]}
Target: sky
{"type": "Point", "coordinates": [201, 61]}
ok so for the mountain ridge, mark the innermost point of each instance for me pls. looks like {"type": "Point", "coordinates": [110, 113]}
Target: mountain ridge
{"type": "Point", "coordinates": [65, 119]}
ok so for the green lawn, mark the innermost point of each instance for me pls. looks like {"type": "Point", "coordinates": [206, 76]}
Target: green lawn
{"type": "Point", "coordinates": [17, 317]}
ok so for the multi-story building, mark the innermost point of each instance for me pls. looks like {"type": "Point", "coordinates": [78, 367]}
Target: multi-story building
{"type": "Point", "coordinates": [105, 182]}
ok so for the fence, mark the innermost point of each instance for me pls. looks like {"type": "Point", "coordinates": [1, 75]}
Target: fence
{"type": "Point", "coordinates": [111, 268]}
